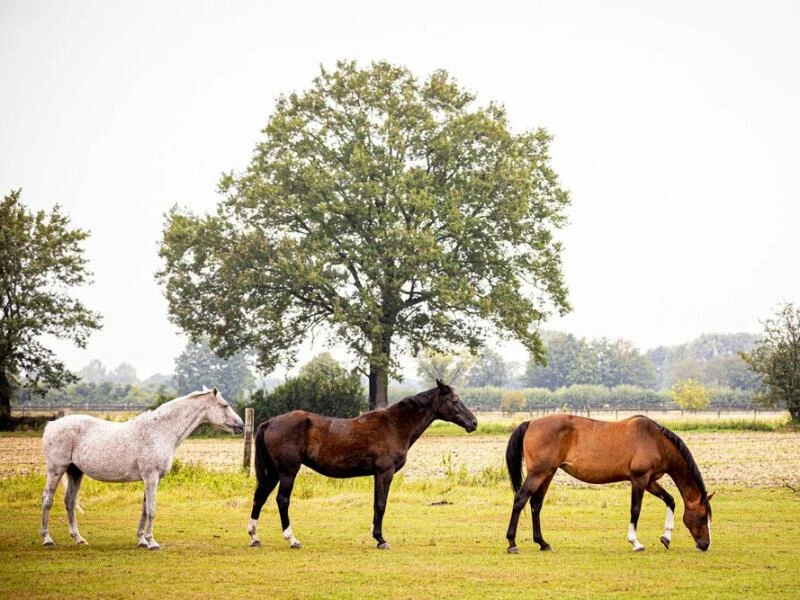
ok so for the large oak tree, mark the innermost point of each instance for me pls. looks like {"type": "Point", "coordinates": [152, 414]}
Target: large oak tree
{"type": "Point", "coordinates": [390, 210]}
{"type": "Point", "coordinates": [41, 260]}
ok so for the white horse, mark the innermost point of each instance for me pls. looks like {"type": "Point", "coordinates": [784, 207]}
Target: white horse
{"type": "Point", "coordinates": [141, 448]}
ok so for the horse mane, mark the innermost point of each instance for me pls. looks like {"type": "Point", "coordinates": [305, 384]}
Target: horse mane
{"type": "Point", "coordinates": [687, 456]}
{"type": "Point", "coordinates": [421, 400]}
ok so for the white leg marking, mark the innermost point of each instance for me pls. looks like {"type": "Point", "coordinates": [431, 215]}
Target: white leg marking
{"type": "Point", "coordinates": [251, 529]}
{"type": "Point", "coordinates": [289, 536]}
{"type": "Point", "coordinates": [669, 524]}
{"type": "Point", "coordinates": [637, 545]}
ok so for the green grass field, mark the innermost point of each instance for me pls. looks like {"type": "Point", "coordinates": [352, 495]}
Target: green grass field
{"type": "Point", "coordinates": [447, 539]}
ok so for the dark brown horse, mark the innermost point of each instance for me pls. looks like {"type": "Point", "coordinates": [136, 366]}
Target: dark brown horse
{"type": "Point", "coordinates": [637, 449]}
{"type": "Point", "coordinates": [376, 443]}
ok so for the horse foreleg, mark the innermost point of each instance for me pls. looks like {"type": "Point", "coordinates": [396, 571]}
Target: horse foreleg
{"type": "Point", "coordinates": [382, 483]}
{"type": "Point", "coordinates": [74, 478]}
{"type": "Point", "coordinates": [53, 477]}
{"type": "Point", "coordinates": [669, 523]}
{"type": "Point", "coordinates": [259, 498]}
{"type": "Point", "coordinates": [284, 495]}
{"type": "Point", "coordinates": [150, 490]}
{"type": "Point", "coordinates": [142, 522]}
{"type": "Point", "coordinates": [637, 493]}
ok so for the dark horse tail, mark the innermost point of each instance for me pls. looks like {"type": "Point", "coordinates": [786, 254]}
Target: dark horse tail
{"type": "Point", "coordinates": [514, 455]}
{"type": "Point", "coordinates": [263, 461]}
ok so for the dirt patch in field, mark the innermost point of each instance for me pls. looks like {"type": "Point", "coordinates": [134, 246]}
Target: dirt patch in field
{"type": "Point", "coordinates": [752, 458]}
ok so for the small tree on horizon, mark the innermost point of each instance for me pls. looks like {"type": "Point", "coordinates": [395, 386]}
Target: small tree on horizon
{"type": "Point", "coordinates": [775, 360]}
{"type": "Point", "coordinates": [690, 395]}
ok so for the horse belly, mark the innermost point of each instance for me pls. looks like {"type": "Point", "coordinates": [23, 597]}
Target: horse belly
{"type": "Point", "coordinates": [597, 463]}
{"type": "Point", "coordinates": [107, 460]}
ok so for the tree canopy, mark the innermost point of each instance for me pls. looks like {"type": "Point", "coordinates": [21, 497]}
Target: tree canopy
{"type": "Point", "coordinates": [41, 260]}
{"type": "Point", "coordinates": [388, 210]}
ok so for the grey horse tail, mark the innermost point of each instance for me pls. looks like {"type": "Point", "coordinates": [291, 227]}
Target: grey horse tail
{"type": "Point", "coordinates": [514, 455]}
{"type": "Point", "coordinates": [263, 461]}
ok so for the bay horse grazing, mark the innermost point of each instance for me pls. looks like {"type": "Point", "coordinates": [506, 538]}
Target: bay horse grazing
{"type": "Point", "coordinates": [375, 443]}
{"type": "Point", "coordinates": [141, 448]}
{"type": "Point", "coordinates": [637, 449]}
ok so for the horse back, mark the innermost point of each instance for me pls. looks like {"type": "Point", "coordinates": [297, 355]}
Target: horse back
{"type": "Point", "coordinates": [595, 451]}
{"type": "Point", "coordinates": [98, 447]}
{"type": "Point", "coordinates": [332, 446]}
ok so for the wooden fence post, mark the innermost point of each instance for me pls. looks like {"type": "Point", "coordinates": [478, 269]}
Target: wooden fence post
{"type": "Point", "coordinates": [248, 438]}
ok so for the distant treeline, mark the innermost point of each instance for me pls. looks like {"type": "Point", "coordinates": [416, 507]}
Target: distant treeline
{"type": "Point", "coordinates": [97, 396]}
{"type": "Point", "coordinates": [581, 397]}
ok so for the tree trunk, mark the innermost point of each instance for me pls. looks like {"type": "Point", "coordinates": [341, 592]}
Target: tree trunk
{"type": "Point", "coordinates": [378, 369]}
{"type": "Point", "coordinates": [5, 394]}
{"type": "Point", "coordinates": [378, 387]}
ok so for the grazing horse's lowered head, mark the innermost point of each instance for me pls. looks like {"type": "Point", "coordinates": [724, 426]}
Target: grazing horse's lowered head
{"type": "Point", "coordinates": [697, 518]}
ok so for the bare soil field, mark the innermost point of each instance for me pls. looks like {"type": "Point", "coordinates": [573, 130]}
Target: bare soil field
{"type": "Point", "coordinates": [757, 459]}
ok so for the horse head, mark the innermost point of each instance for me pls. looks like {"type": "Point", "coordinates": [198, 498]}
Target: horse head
{"type": "Point", "coordinates": [451, 408]}
{"type": "Point", "coordinates": [220, 413]}
{"type": "Point", "coordinates": [697, 518]}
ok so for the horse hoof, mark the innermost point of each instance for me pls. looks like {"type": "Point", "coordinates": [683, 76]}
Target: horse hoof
{"type": "Point", "coordinates": [638, 549]}
{"type": "Point", "coordinates": [384, 546]}
{"type": "Point", "coordinates": [513, 550]}
{"type": "Point", "coordinates": [81, 542]}
{"type": "Point", "coordinates": [665, 541]}
{"type": "Point", "coordinates": [142, 545]}
{"type": "Point", "coordinates": [295, 546]}
{"type": "Point", "coordinates": [155, 547]}
{"type": "Point", "coordinates": [255, 544]}
{"type": "Point", "coordinates": [48, 543]}
{"type": "Point", "coordinates": [545, 548]}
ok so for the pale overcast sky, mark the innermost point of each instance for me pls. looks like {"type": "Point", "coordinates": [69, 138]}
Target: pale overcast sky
{"type": "Point", "coordinates": [676, 125]}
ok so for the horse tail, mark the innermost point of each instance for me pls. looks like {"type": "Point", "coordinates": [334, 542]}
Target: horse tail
{"type": "Point", "coordinates": [263, 461]}
{"type": "Point", "coordinates": [514, 455]}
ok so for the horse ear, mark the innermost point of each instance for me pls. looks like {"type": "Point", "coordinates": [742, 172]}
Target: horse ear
{"type": "Point", "coordinates": [711, 495]}
{"type": "Point", "coordinates": [439, 383]}
{"type": "Point", "coordinates": [215, 391]}
{"type": "Point", "coordinates": [205, 389]}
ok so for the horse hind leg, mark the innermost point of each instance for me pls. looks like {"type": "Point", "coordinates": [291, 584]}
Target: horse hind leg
{"type": "Point", "coordinates": [537, 500]}
{"type": "Point", "coordinates": [283, 498]}
{"type": "Point", "coordinates": [669, 523]}
{"type": "Point", "coordinates": [74, 479]}
{"type": "Point", "coordinates": [528, 488]}
{"type": "Point", "coordinates": [259, 498]}
{"type": "Point", "coordinates": [54, 475]}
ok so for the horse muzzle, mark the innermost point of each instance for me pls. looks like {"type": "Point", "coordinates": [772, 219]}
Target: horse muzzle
{"type": "Point", "coordinates": [703, 546]}
{"type": "Point", "coordinates": [237, 427]}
